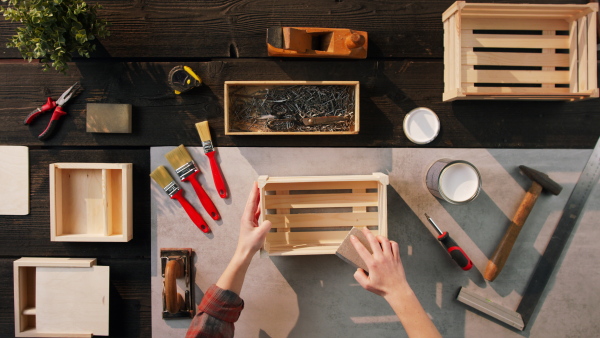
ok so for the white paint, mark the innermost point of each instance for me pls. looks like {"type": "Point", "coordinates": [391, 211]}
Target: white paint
{"type": "Point", "coordinates": [421, 125]}
{"type": "Point", "coordinates": [459, 182]}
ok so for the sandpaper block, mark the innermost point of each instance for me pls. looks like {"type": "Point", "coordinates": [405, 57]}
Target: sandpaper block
{"type": "Point", "coordinates": [347, 252]}
{"type": "Point", "coordinates": [108, 118]}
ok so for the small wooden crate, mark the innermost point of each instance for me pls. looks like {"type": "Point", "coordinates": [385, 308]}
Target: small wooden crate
{"type": "Point", "coordinates": [60, 297]}
{"type": "Point", "coordinates": [520, 51]}
{"type": "Point", "coordinates": [247, 89]}
{"type": "Point", "coordinates": [312, 215]}
{"type": "Point", "coordinates": [91, 202]}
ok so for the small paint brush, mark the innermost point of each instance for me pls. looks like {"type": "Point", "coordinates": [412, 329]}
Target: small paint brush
{"type": "Point", "coordinates": [209, 151]}
{"type": "Point", "coordinates": [162, 177]}
{"type": "Point", "coordinates": [187, 170]}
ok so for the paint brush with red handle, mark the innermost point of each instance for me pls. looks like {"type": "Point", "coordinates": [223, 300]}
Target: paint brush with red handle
{"type": "Point", "coordinates": [209, 151]}
{"type": "Point", "coordinates": [187, 170]}
{"type": "Point", "coordinates": [162, 177]}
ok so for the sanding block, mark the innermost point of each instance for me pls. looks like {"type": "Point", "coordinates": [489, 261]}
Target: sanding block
{"type": "Point", "coordinates": [347, 252]}
{"type": "Point", "coordinates": [108, 118]}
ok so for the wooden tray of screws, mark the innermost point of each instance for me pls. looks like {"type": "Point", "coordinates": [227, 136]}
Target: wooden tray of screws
{"type": "Point", "coordinates": [291, 107]}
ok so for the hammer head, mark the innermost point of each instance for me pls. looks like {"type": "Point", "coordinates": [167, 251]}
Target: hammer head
{"type": "Point", "coordinates": [546, 182]}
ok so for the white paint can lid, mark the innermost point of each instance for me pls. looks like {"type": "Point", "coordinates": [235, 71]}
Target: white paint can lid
{"type": "Point", "coordinates": [421, 125]}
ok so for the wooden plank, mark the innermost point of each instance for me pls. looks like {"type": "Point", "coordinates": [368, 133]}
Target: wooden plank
{"type": "Point", "coordinates": [513, 41]}
{"type": "Point", "coordinates": [514, 59]}
{"type": "Point", "coordinates": [322, 185]}
{"type": "Point", "coordinates": [514, 24]}
{"type": "Point", "coordinates": [320, 201]}
{"type": "Point", "coordinates": [573, 58]}
{"type": "Point", "coordinates": [515, 76]}
{"type": "Point", "coordinates": [14, 180]}
{"type": "Point", "coordinates": [307, 239]}
{"type": "Point", "coordinates": [517, 90]}
{"type": "Point", "coordinates": [170, 119]}
{"type": "Point", "coordinates": [592, 64]}
{"type": "Point", "coordinates": [548, 51]}
{"type": "Point", "coordinates": [582, 52]}
{"type": "Point", "coordinates": [323, 220]}
{"type": "Point", "coordinates": [72, 300]}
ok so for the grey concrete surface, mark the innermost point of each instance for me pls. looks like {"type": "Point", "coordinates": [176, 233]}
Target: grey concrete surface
{"type": "Point", "coordinates": [316, 296]}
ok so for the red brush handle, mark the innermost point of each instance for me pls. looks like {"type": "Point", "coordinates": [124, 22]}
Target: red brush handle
{"type": "Point", "coordinates": [217, 175]}
{"type": "Point", "coordinates": [194, 215]}
{"type": "Point", "coordinates": [204, 199]}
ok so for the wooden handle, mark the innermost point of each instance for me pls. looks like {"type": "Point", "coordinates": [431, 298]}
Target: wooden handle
{"type": "Point", "coordinates": [500, 256]}
{"type": "Point", "coordinates": [173, 270]}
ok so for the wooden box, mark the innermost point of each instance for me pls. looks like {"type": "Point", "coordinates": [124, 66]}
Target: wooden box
{"type": "Point", "coordinates": [91, 202]}
{"type": "Point", "coordinates": [60, 297]}
{"type": "Point", "coordinates": [262, 108]}
{"type": "Point", "coordinates": [312, 215]}
{"type": "Point", "coordinates": [520, 51]}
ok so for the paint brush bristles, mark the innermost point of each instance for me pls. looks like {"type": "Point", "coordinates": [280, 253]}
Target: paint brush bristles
{"type": "Point", "coordinates": [180, 159]}
{"type": "Point", "coordinates": [162, 177]}
{"type": "Point", "coordinates": [204, 133]}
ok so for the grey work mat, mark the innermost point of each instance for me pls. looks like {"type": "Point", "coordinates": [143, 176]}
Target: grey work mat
{"type": "Point", "coordinates": [317, 296]}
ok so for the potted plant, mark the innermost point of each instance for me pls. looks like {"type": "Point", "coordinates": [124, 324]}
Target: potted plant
{"type": "Point", "coordinates": [54, 29]}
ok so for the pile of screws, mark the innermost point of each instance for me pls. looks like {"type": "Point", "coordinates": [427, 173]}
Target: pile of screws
{"type": "Point", "coordinates": [285, 107]}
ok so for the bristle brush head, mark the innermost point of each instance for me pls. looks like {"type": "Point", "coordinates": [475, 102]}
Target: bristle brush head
{"type": "Point", "coordinates": [203, 131]}
{"type": "Point", "coordinates": [178, 157]}
{"type": "Point", "coordinates": [161, 176]}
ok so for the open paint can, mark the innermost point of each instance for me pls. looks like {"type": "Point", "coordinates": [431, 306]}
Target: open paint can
{"type": "Point", "coordinates": [456, 182]}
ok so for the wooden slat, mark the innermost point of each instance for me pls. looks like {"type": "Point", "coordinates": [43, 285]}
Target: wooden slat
{"type": "Point", "coordinates": [320, 201]}
{"type": "Point", "coordinates": [470, 57]}
{"type": "Point", "coordinates": [321, 185]}
{"type": "Point", "coordinates": [573, 58]}
{"type": "Point", "coordinates": [323, 220]}
{"type": "Point", "coordinates": [307, 239]}
{"type": "Point", "coordinates": [583, 54]}
{"type": "Point", "coordinates": [517, 90]}
{"type": "Point", "coordinates": [514, 24]}
{"type": "Point", "coordinates": [513, 41]}
{"type": "Point", "coordinates": [592, 64]}
{"type": "Point", "coordinates": [515, 76]}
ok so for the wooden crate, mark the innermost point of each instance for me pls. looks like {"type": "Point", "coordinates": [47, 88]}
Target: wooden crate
{"type": "Point", "coordinates": [91, 202]}
{"type": "Point", "coordinates": [520, 51]}
{"type": "Point", "coordinates": [246, 89]}
{"type": "Point", "coordinates": [312, 215]}
{"type": "Point", "coordinates": [60, 297]}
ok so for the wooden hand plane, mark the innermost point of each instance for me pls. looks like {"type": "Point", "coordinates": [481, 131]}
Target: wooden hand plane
{"type": "Point", "coordinates": [317, 42]}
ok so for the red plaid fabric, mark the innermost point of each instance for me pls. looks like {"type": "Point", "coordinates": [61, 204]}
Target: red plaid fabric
{"type": "Point", "coordinates": [217, 312]}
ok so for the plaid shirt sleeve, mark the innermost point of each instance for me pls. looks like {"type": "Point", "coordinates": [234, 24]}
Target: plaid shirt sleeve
{"type": "Point", "coordinates": [217, 312]}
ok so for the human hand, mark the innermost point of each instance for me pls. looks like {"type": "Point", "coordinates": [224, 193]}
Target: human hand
{"type": "Point", "coordinates": [386, 273]}
{"type": "Point", "coordinates": [252, 235]}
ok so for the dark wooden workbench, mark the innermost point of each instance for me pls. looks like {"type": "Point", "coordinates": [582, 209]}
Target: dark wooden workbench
{"type": "Point", "coordinates": [225, 40]}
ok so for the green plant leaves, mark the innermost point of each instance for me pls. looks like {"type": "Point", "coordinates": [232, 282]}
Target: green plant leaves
{"type": "Point", "coordinates": [54, 29]}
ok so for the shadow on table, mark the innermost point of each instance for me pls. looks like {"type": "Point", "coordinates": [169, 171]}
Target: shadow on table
{"type": "Point", "coordinates": [332, 303]}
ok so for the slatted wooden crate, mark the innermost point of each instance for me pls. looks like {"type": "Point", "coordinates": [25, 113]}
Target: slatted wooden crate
{"type": "Point", "coordinates": [312, 215]}
{"type": "Point", "coordinates": [520, 51]}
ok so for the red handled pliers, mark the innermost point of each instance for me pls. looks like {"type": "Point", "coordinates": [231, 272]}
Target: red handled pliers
{"type": "Point", "coordinates": [58, 111]}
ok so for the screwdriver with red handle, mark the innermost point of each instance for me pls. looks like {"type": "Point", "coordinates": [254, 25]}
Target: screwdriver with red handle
{"type": "Point", "coordinates": [457, 254]}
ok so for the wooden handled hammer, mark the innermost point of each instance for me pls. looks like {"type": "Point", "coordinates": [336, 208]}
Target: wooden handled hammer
{"type": "Point", "coordinates": [540, 181]}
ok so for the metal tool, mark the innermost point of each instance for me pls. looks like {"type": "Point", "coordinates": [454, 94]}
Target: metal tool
{"type": "Point", "coordinates": [500, 256]}
{"type": "Point", "coordinates": [176, 264]}
{"type": "Point", "coordinates": [56, 115]}
{"type": "Point", "coordinates": [546, 264]}
{"type": "Point", "coordinates": [455, 251]}
{"type": "Point", "coordinates": [182, 79]}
